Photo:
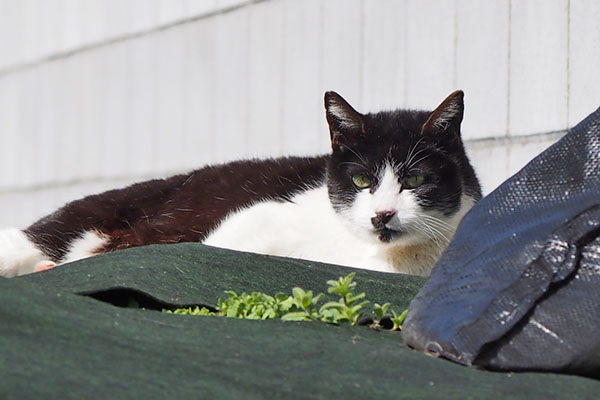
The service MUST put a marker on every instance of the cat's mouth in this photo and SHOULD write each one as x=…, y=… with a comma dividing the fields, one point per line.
x=383, y=230
x=386, y=235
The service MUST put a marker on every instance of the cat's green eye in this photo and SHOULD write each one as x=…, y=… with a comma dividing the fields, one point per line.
x=361, y=181
x=414, y=181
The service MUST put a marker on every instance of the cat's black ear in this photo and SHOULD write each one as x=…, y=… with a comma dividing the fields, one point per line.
x=345, y=123
x=447, y=116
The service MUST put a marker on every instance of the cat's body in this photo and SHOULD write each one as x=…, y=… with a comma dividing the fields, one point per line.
x=360, y=206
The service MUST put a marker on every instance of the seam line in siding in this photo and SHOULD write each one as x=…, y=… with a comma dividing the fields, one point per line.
x=517, y=139
x=22, y=66
x=127, y=180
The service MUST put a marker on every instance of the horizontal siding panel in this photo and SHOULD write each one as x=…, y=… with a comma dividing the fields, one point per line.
x=538, y=69
x=231, y=85
x=430, y=32
x=170, y=10
x=10, y=20
x=25, y=207
x=69, y=137
x=170, y=67
x=490, y=173
x=265, y=83
x=48, y=116
x=14, y=213
x=71, y=30
x=56, y=26
x=341, y=48
x=384, y=55
x=28, y=130
x=482, y=66
x=199, y=94
x=10, y=125
x=92, y=95
x=143, y=15
x=195, y=8
x=584, y=59
x=341, y=52
x=141, y=139
x=117, y=110
x=303, y=113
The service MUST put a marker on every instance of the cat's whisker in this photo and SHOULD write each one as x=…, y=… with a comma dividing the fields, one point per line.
x=426, y=230
x=357, y=154
x=418, y=161
x=352, y=163
x=411, y=151
x=430, y=235
x=434, y=235
x=439, y=222
x=409, y=162
x=439, y=234
x=435, y=230
x=442, y=231
x=450, y=197
x=439, y=231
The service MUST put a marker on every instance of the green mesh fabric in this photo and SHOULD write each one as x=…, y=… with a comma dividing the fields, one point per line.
x=58, y=341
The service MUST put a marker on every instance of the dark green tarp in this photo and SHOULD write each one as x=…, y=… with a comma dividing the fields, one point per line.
x=58, y=341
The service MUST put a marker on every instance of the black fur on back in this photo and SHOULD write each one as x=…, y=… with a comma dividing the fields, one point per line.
x=183, y=208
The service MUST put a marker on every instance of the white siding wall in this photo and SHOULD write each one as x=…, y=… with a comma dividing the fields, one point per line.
x=96, y=94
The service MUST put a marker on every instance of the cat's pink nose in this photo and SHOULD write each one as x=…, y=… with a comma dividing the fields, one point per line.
x=384, y=217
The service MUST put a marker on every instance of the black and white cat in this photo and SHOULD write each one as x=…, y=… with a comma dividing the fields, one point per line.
x=389, y=197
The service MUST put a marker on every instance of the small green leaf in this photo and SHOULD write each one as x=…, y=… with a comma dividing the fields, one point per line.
x=286, y=304
x=380, y=310
x=403, y=316
x=317, y=298
x=231, y=293
x=296, y=316
x=307, y=300
x=358, y=306
x=397, y=320
x=298, y=293
x=281, y=297
x=329, y=315
x=333, y=304
x=233, y=310
x=350, y=299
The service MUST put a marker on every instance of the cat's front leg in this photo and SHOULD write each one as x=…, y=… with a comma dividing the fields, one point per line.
x=18, y=254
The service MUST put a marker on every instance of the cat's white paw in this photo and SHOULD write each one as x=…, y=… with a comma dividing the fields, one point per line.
x=44, y=265
x=18, y=254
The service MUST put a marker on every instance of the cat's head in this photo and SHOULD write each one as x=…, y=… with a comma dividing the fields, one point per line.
x=400, y=176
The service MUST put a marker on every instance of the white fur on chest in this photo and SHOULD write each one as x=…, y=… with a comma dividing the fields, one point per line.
x=305, y=228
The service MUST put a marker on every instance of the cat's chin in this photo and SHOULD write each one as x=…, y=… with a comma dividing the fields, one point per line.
x=393, y=237
x=386, y=235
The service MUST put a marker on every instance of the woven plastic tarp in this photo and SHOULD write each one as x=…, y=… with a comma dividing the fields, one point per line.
x=519, y=286
x=57, y=340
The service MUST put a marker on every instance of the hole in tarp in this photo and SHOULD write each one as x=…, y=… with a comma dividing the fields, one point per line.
x=384, y=323
x=132, y=298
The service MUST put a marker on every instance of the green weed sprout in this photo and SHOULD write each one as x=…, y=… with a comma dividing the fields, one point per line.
x=302, y=305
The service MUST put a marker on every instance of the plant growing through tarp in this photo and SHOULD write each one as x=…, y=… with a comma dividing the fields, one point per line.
x=302, y=305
